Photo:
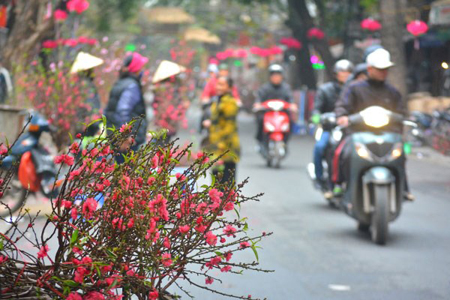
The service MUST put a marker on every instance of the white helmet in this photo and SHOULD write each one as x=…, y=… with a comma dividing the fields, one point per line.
x=276, y=68
x=343, y=65
x=212, y=68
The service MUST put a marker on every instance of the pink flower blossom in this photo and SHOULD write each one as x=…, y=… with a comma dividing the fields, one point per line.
x=74, y=296
x=215, y=195
x=89, y=206
x=94, y=296
x=209, y=280
x=166, y=259
x=200, y=228
x=151, y=180
x=184, y=229
x=74, y=213
x=79, y=274
x=79, y=6
x=211, y=239
x=60, y=15
x=43, y=251
x=153, y=295
x=65, y=159
x=66, y=204
x=86, y=260
x=228, y=256
x=229, y=230
x=125, y=128
x=229, y=206
x=3, y=149
x=166, y=242
x=244, y=245
x=3, y=259
x=225, y=269
x=77, y=250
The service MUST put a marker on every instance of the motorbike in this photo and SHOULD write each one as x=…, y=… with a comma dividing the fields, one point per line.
x=276, y=128
x=36, y=170
x=327, y=123
x=373, y=195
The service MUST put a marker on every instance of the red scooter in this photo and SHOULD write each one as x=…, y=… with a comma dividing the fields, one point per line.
x=276, y=128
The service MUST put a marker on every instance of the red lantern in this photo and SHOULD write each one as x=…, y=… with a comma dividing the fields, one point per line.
x=50, y=44
x=417, y=27
x=229, y=53
x=291, y=43
x=221, y=56
x=83, y=40
x=241, y=53
x=316, y=33
x=255, y=50
x=78, y=6
x=275, y=50
x=60, y=15
x=370, y=25
x=71, y=42
x=92, y=42
x=3, y=16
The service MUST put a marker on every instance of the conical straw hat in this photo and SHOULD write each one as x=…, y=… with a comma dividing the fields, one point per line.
x=85, y=61
x=167, y=69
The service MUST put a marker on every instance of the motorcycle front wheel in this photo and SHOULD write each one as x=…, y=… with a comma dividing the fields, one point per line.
x=380, y=216
x=13, y=198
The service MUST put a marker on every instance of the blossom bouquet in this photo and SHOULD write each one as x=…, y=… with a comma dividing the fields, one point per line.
x=127, y=231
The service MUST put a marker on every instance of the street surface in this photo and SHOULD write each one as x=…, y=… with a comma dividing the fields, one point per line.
x=316, y=251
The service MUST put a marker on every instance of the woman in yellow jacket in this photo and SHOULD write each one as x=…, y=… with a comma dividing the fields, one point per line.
x=223, y=130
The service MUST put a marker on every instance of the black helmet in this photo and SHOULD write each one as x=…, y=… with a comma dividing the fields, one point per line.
x=359, y=69
x=276, y=68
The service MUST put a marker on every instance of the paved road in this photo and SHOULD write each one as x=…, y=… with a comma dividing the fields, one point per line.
x=316, y=251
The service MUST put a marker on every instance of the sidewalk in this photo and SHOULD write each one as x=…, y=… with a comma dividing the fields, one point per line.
x=430, y=155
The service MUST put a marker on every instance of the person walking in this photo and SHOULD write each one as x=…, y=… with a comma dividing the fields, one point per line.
x=222, y=125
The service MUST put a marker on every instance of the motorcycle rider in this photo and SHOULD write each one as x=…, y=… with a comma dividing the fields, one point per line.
x=324, y=102
x=276, y=88
x=360, y=95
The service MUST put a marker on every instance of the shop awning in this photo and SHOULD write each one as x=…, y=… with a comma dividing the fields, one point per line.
x=440, y=13
x=201, y=35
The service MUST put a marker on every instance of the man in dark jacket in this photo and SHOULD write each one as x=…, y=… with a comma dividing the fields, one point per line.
x=363, y=94
x=276, y=88
x=324, y=102
x=126, y=100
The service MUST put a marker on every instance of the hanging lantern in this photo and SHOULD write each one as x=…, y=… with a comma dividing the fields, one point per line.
x=221, y=56
x=275, y=50
x=50, y=44
x=315, y=33
x=291, y=43
x=417, y=27
x=241, y=53
x=3, y=16
x=255, y=50
x=370, y=24
x=79, y=6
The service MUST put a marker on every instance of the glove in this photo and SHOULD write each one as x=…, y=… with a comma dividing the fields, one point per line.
x=315, y=119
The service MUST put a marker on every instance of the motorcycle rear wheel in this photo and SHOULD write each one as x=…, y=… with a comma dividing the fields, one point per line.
x=380, y=215
x=13, y=198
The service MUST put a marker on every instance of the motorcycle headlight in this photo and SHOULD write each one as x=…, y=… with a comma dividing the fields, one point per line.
x=363, y=152
x=337, y=135
x=318, y=134
x=375, y=116
x=269, y=127
x=397, y=151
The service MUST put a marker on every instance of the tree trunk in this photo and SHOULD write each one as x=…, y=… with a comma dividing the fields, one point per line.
x=30, y=27
x=300, y=8
x=392, y=39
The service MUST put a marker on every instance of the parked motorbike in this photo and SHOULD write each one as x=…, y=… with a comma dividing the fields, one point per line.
x=374, y=192
x=276, y=128
x=36, y=170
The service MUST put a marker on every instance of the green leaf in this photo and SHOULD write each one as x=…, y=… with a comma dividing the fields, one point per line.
x=93, y=122
x=74, y=237
x=111, y=254
x=98, y=271
x=71, y=137
x=245, y=229
x=70, y=283
x=218, y=253
x=255, y=252
x=213, y=180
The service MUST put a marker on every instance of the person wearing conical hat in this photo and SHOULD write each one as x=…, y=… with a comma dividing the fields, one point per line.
x=84, y=66
x=169, y=104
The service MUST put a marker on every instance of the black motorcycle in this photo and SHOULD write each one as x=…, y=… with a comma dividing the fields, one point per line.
x=374, y=192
